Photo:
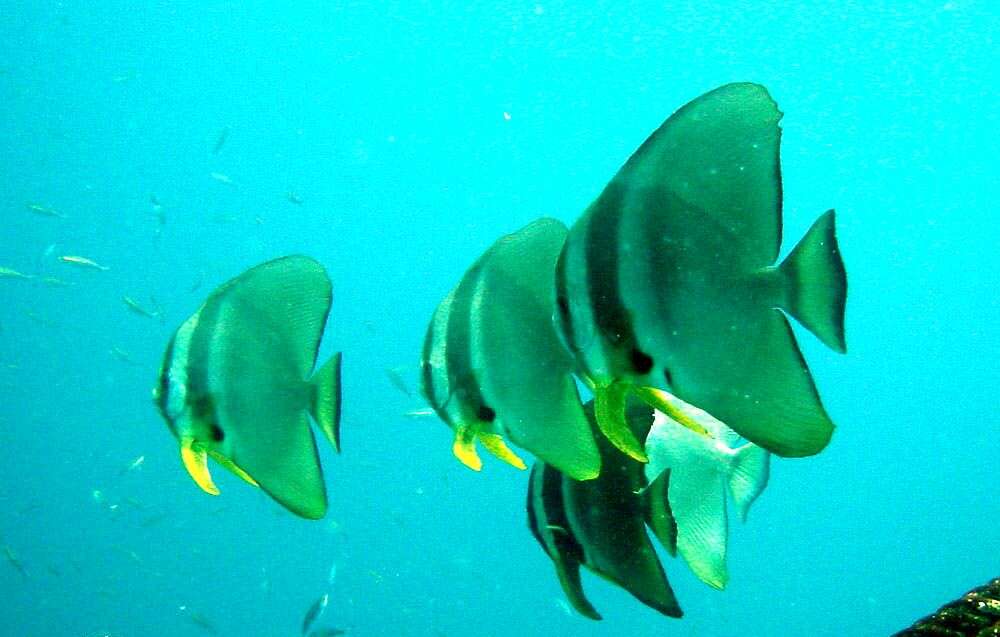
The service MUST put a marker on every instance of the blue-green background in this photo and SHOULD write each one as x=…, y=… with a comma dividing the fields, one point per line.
x=387, y=119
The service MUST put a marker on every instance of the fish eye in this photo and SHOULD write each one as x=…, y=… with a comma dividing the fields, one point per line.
x=642, y=362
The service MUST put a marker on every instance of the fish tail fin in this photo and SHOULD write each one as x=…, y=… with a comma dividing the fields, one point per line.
x=325, y=403
x=750, y=472
x=816, y=283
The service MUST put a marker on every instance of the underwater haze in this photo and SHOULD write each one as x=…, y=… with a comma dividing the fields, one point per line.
x=173, y=145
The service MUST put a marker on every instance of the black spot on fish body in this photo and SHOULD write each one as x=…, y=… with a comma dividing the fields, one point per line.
x=563, y=303
x=667, y=376
x=217, y=434
x=642, y=362
x=202, y=407
x=486, y=413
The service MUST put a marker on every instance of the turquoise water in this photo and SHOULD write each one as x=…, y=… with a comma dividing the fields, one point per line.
x=414, y=135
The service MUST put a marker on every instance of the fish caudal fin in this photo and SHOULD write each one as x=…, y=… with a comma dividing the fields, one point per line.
x=750, y=472
x=816, y=283
x=325, y=404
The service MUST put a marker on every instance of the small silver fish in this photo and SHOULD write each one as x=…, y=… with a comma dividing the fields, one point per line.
x=315, y=612
x=222, y=179
x=199, y=620
x=55, y=282
x=141, y=310
x=45, y=211
x=420, y=413
x=220, y=141
x=83, y=262
x=15, y=561
x=7, y=273
x=135, y=464
x=122, y=355
x=396, y=378
x=294, y=198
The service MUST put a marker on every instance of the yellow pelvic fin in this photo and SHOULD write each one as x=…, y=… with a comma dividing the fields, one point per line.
x=662, y=401
x=196, y=463
x=609, y=410
x=495, y=445
x=464, y=447
x=232, y=466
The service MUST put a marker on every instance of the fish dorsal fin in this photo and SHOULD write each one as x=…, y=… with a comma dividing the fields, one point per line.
x=261, y=332
x=288, y=300
x=719, y=155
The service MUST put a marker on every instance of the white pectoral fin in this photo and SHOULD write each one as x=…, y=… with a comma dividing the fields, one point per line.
x=750, y=472
x=698, y=503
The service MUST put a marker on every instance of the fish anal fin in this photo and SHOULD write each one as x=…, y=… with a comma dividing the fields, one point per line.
x=495, y=445
x=568, y=572
x=233, y=467
x=196, y=463
x=609, y=411
x=661, y=401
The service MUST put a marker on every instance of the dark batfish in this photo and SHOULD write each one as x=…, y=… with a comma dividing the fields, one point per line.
x=235, y=383
x=601, y=524
x=670, y=280
x=975, y=614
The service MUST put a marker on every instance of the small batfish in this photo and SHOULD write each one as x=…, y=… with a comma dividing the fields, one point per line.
x=704, y=461
x=315, y=612
x=235, y=383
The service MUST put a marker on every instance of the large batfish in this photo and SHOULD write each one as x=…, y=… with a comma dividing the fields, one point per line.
x=670, y=280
